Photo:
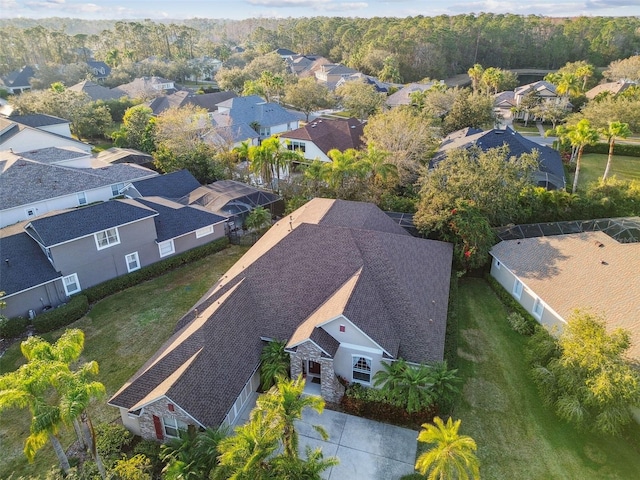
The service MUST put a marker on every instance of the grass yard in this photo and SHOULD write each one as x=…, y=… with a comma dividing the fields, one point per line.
x=518, y=437
x=592, y=168
x=530, y=129
x=121, y=333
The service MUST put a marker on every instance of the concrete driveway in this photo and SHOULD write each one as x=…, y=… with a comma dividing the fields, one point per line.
x=367, y=450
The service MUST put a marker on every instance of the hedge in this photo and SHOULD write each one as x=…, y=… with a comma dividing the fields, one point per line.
x=63, y=315
x=630, y=150
x=115, y=285
x=451, y=334
x=12, y=328
x=510, y=302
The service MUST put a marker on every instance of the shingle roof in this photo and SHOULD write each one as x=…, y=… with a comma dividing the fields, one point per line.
x=580, y=270
x=19, y=78
x=124, y=155
x=53, y=154
x=37, y=120
x=613, y=88
x=400, y=300
x=100, y=69
x=81, y=222
x=174, y=219
x=403, y=96
x=252, y=109
x=328, y=134
x=27, y=266
x=535, y=87
x=97, y=92
x=172, y=185
x=229, y=197
x=47, y=181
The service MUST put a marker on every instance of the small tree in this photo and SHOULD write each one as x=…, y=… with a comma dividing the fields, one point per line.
x=274, y=363
x=258, y=218
x=615, y=130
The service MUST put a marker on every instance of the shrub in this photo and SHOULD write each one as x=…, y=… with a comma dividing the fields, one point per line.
x=519, y=324
x=62, y=315
x=151, y=450
x=451, y=334
x=626, y=149
x=511, y=303
x=12, y=327
x=112, y=439
x=115, y=285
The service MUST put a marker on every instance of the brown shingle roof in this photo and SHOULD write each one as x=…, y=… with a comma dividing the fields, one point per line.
x=567, y=272
x=399, y=300
x=329, y=134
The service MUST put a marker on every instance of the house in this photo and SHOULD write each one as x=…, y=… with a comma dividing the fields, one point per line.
x=47, y=123
x=87, y=246
x=596, y=268
x=525, y=96
x=403, y=96
x=340, y=282
x=314, y=140
x=611, y=88
x=379, y=85
x=265, y=118
x=97, y=92
x=330, y=73
x=301, y=65
x=18, y=137
x=18, y=81
x=550, y=175
x=208, y=101
x=99, y=70
x=173, y=186
x=148, y=87
x=285, y=53
x=125, y=155
x=33, y=187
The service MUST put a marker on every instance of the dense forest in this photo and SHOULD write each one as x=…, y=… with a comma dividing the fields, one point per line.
x=418, y=47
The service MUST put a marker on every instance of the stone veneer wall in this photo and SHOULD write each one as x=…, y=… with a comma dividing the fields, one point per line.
x=160, y=408
x=330, y=388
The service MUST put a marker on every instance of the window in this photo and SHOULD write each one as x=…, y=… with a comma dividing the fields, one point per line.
x=517, y=289
x=173, y=426
x=361, y=369
x=166, y=248
x=71, y=284
x=82, y=198
x=265, y=131
x=296, y=146
x=133, y=262
x=342, y=329
x=116, y=189
x=107, y=238
x=203, y=232
x=538, y=309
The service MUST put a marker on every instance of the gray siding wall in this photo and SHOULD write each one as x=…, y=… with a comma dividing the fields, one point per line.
x=189, y=241
x=18, y=305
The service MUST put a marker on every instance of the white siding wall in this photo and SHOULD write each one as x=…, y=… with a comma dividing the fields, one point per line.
x=312, y=152
x=60, y=129
x=130, y=422
x=285, y=127
x=34, y=139
x=343, y=361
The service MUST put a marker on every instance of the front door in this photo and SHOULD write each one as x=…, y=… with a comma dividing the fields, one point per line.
x=314, y=368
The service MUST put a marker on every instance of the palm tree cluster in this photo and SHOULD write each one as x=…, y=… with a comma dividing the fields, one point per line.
x=416, y=387
x=55, y=394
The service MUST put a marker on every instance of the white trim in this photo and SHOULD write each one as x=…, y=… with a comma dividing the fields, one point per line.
x=177, y=427
x=537, y=302
x=31, y=288
x=192, y=231
x=517, y=289
x=203, y=232
x=166, y=242
x=106, y=233
x=359, y=330
x=364, y=349
x=354, y=362
x=137, y=259
x=76, y=281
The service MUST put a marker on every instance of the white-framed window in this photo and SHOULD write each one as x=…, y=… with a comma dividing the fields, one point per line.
x=517, y=289
x=166, y=248
x=497, y=263
x=265, y=131
x=107, y=238
x=173, y=426
x=82, y=198
x=31, y=212
x=538, y=309
x=361, y=369
x=295, y=145
x=116, y=189
x=203, y=232
x=133, y=262
x=71, y=284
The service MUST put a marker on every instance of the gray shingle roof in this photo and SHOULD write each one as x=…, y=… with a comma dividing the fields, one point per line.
x=400, y=300
x=45, y=181
x=174, y=220
x=27, y=266
x=53, y=154
x=19, y=78
x=97, y=92
x=37, y=120
x=81, y=222
x=172, y=185
x=252, y=109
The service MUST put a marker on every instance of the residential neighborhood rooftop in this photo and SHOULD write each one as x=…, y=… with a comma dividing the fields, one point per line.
x=328, y=134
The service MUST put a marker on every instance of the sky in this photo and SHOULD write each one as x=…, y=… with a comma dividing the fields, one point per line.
x=239, y=9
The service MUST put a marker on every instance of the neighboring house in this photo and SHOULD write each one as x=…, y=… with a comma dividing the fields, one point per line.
x=611, y=88
x=18, y=81
x=97, y=92
x=543, y=92
x=62, y=156
x=300, y=65
x=315, y=139
x=265, y=118
x=172, y=186
x=47, y=123
x=34, y=187
x=310, y=69
x=147, y=87
x=18, y=137
x=550, y=175
x=125, y=155
x=208, y=101
x=87, y=246
x=403, y=96
x=285, y=53
x=550, y=276
x=330, y=73
x=99, y=70
x=206, y=66
x=379, y=85
x=342, y=284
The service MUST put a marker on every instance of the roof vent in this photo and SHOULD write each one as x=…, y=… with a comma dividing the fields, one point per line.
x=599, y=244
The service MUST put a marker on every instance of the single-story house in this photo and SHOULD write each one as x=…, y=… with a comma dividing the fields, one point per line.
x=611, y=88
x=148, y=87
x=550, y=175
x=550, y=276
x=340, y=282
x=403, y=96
x=315, y=139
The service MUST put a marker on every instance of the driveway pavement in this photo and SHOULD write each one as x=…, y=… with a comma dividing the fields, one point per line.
x=367, y=450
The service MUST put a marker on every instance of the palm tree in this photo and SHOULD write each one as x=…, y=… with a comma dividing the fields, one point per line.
x=343, y=168
x=313, y=173
x=453, y=455
x=568, y=85
x=407, y=385
x=285, y=403
x=444, y=383
x=475, y=73
x=287, y=468
x=580, y=135
x=270, y=159
x=274, y=363
x=585, y=72
x=380, y=171
x=614, y=130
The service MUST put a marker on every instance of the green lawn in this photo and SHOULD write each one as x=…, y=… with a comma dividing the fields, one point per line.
x=530, y=129
x=122, y=332
x=592, y=167
x=518, y=437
